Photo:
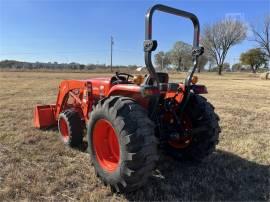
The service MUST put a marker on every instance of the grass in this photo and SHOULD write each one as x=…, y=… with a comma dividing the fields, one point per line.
x=34, y=164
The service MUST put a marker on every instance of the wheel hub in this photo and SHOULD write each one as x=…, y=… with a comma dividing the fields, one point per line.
x=181, y=141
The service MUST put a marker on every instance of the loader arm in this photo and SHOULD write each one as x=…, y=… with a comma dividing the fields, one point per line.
x=82, y=96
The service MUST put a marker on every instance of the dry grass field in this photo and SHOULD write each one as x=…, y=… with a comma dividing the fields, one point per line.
x=35, y=166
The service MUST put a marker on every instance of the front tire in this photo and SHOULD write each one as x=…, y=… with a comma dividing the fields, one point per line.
x=122, y=143
x=70, y=128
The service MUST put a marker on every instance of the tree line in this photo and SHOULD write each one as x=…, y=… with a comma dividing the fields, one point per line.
x=217, y=39
x=13, y=64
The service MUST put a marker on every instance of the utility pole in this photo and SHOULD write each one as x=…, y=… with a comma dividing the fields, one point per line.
x=112, y=42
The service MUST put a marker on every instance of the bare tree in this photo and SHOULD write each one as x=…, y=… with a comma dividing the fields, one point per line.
x=218, y=38
x=262, y=37
x=180, y=55
x=162, y=60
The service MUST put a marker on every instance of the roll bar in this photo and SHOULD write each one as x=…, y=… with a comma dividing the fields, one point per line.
x=150, y=45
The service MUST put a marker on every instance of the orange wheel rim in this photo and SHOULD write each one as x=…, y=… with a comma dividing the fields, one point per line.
x=63, y=127
x=106, y=145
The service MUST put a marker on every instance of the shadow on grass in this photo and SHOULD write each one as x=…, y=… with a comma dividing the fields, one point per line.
x=224, y=176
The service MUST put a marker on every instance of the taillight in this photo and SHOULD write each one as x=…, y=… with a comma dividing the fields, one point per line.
x=194, y=80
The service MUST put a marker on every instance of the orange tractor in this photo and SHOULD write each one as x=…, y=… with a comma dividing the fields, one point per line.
x=129, y=119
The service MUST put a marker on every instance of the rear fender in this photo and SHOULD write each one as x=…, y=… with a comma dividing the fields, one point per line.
x=132, y=91
x=199, y=89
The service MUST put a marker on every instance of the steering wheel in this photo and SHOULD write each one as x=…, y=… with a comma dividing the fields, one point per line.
x=122, y=77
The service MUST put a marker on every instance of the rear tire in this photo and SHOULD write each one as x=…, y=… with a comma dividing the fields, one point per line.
x=201, y=113
x=134, y=131
x=70, y=128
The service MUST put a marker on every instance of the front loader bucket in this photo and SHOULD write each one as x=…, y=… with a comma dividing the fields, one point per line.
x=44, y=116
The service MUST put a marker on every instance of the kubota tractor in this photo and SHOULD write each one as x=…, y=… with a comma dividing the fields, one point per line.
x=130, y=119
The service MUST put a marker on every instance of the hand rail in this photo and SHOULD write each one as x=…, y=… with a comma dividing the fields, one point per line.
x=150, y=45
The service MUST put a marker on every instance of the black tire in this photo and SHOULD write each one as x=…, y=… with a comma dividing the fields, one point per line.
x=202, y=144
x=74, y=127
x=137, y=141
